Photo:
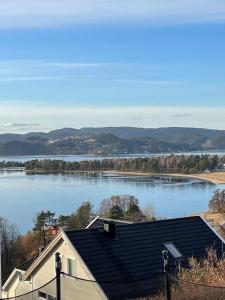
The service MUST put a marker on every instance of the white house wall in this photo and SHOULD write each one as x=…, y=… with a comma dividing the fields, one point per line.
x=46, y=272
x=11, y=288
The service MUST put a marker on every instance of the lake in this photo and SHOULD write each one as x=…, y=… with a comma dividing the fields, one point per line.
x=22, y=196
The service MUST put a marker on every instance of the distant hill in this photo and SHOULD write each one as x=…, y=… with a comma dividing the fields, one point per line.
x=112, y=140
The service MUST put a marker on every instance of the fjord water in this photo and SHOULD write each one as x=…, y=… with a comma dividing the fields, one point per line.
x=22, y=196
x=93, y=157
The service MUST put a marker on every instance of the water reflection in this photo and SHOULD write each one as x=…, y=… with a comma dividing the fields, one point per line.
x=22, y=196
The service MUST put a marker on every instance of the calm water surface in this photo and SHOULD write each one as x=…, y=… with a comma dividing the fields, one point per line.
x=22, y=196
x=92, y=157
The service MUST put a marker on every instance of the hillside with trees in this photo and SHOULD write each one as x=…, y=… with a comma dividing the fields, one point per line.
x=112, y=141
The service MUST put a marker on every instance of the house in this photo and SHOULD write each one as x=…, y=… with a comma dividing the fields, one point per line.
x=221, y=167
x=10, y=285
x=52, y=230
x=117, y=261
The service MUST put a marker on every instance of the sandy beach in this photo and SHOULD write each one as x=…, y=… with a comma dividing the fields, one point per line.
x=214, y=177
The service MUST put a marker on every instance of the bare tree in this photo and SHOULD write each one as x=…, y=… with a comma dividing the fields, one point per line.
x=217, y=201
x=9, y=237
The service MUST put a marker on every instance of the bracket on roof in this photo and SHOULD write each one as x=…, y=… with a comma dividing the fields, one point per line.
x=173, y=250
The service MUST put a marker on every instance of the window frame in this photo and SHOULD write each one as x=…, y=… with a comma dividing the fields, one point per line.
x=68, y=258
x=47, y=296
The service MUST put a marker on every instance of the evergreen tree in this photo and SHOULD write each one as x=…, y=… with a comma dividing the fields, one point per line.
x=134, y=213
x=116, y=213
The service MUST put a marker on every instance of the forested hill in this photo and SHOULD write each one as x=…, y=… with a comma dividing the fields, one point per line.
x=112, y=140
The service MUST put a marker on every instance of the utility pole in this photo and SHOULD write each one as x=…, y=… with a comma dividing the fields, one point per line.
x=0, y=266
x=58, y=267
x=166, y=273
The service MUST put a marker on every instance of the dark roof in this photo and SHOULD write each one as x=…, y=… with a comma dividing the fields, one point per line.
x=98, y=222
x=136, y=253
x=25, y=265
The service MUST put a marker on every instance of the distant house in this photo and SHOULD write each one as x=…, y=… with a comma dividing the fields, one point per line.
x=52, y=230
x=221, y=167
x=123, y=262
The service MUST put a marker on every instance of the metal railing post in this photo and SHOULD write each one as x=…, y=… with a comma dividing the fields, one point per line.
x=166, y=273
x=58, y=267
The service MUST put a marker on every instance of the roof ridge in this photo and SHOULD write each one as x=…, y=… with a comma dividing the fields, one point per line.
x=138, y=224
x=116, y=220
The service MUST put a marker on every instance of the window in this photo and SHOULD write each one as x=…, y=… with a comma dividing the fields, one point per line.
x=43, y=295
x=71, y=267
x=173, y=250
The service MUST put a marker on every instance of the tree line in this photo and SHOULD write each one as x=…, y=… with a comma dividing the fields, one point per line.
x=187, y=164
x=11, y=164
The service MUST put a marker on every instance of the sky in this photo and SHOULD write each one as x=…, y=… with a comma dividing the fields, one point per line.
x=144, y=63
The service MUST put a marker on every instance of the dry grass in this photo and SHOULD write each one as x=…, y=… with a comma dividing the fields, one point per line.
x=215, y=219
x=214, y=177
x=204, y=280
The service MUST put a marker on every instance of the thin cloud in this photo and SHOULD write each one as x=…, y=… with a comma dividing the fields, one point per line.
x=44, y=13
x=75, y=116
x=42, y=70
x=30, y=78
x=138, y=118
x=181, y=115
x=150, y=82
x=72, y=65
x=47, y=70
x=11, y=124
x=10, y=65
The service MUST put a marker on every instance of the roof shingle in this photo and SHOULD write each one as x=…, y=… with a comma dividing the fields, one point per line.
x=136, y=253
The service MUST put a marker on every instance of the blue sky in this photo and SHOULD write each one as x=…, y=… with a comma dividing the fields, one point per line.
x=148, y=63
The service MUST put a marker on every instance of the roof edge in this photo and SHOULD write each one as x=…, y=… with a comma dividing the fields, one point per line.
x=210, y=226
x=11, y=277
x=42, y=256
x=66, y=239
x=139, y=224
x=89, y=225
x=121, y=221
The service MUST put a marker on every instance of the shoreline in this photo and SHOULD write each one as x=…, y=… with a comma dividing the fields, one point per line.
x=13, y=169
x=214, y=177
